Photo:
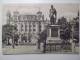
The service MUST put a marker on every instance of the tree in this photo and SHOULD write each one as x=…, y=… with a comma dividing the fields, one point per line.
x=62, y=20
x=7, y=32
x=65, y=30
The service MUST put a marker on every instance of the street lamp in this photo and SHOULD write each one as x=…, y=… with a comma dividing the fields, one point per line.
x=73, y=43
x=13, y=44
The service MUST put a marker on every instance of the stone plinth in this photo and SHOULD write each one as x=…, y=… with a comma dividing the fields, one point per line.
x=53, y=34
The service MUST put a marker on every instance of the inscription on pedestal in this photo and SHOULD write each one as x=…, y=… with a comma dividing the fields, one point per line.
x=54, y=32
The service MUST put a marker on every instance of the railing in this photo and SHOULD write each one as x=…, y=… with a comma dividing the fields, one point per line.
x=54, y=47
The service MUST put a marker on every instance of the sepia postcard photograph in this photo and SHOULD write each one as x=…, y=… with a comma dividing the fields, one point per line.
x=40, y=28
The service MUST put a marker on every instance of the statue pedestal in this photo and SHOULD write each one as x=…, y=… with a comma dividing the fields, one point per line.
x=53, y=34
x=53, y=38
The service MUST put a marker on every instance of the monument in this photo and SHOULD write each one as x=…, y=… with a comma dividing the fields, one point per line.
x=53, y=30
x=53, y=15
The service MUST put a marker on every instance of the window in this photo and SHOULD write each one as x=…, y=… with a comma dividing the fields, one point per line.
x=21, y=27
x=34, y=29
x=25, y=27
x=29, y=29
x=33, y=25
x=39, y=27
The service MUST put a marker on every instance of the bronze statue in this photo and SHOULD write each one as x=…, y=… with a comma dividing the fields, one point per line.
x=53, y=15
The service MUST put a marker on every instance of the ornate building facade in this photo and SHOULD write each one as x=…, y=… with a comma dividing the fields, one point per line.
x=28, y=25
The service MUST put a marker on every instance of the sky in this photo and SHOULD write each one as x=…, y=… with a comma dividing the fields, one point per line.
x=67, y=10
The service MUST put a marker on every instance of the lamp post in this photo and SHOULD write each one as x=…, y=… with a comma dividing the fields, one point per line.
x=13, y=43
x=73, y=43
x=13, y=39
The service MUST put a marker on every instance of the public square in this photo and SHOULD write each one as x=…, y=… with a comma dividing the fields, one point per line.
x=41, y=29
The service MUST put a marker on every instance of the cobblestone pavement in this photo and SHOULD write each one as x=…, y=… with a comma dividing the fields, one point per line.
x=20, y=49
x=24, y=49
